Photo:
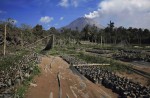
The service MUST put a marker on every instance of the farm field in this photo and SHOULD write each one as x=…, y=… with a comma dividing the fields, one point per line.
x=74, y=49
x=74, y=71
x=123, y=70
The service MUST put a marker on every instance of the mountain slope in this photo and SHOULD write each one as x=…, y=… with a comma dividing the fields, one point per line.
x=81, y=22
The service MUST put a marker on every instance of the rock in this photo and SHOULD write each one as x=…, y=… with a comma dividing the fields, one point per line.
x=82, y=85
x=32, y=84
x=120, y=85
x=2, y=85
x=9, y=82
x=27, y=75
x=31, y=68
x=18, y=81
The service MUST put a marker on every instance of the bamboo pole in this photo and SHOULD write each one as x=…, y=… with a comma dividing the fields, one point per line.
x=5, y=40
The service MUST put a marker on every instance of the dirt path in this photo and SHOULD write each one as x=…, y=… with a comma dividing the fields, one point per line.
x=57, y=80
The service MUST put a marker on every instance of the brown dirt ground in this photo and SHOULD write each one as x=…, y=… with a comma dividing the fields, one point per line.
x=134, y=77
x=143, y=68
x=71, y=84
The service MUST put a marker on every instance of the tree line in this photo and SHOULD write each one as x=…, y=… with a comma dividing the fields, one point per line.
x=114, y=35
x=110, y=34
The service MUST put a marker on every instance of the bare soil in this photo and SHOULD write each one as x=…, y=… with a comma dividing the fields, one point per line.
x=72, y=85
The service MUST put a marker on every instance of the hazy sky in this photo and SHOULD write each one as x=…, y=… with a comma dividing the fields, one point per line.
x=58, y=13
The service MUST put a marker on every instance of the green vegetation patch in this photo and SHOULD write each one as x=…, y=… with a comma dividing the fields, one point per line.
x=11, y=60
x=25, y=85
x=114, y=65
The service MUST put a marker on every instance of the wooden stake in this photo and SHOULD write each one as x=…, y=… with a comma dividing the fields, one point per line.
x=101, y=41
x=5, y=40
x=21, y=40
x=53, y=41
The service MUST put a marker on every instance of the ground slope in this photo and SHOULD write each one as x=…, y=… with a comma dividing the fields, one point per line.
x=72, y=85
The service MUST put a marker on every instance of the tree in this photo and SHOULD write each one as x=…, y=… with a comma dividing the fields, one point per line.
x=86, y=31
x=139, y=35
x=146, y=36
x=52, y=30
x=38, y=31
x=110, y=32
x=26, y=33
x=25, y=27
x=111, y=26
x=93, y=33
